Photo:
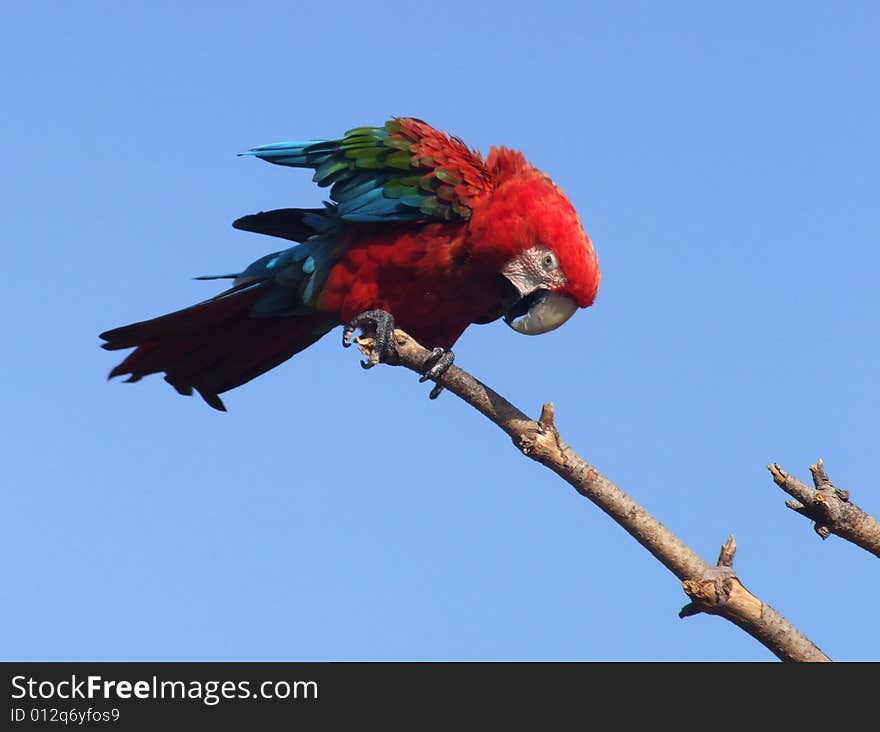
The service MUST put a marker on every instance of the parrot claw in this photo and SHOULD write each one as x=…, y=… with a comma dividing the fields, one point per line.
x=382, y=325
x=436, y=365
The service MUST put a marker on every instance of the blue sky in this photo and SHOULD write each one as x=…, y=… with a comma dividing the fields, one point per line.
x=724, y=160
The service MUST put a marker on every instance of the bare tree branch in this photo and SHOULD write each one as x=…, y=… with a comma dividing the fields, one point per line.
x=715, y=590
x=829, y=508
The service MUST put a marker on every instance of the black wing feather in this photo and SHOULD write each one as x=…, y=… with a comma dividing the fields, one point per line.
x=285, y=223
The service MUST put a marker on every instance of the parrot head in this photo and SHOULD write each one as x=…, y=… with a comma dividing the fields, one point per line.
x=551, y=269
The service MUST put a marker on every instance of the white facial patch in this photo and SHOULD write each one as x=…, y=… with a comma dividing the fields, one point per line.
x=535, y=267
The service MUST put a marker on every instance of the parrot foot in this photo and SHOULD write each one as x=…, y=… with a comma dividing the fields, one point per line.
x=382, y=325
x=436, y=365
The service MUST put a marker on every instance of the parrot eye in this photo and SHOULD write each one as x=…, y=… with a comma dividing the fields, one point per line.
x=549, y=261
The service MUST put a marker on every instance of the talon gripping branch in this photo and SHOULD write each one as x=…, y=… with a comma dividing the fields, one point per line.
x=420, y=232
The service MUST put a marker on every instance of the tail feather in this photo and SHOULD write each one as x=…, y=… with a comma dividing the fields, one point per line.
x=268, y=343
x=216, y=345
x=183, y=322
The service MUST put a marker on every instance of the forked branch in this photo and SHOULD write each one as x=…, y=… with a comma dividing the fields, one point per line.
x=715, y=590
x=829, y=508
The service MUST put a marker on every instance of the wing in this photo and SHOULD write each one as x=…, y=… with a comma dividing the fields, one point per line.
x=287, y=223
x=404, y=171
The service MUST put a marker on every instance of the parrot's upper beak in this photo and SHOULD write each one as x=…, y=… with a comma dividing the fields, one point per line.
x=536, y=312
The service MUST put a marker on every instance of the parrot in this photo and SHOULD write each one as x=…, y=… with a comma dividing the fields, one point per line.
x=421, y=233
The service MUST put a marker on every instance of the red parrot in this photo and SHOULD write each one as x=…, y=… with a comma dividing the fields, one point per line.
x=420, y=233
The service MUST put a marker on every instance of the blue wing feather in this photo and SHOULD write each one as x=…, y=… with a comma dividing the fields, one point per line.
x=390, y=173
x=357, y=192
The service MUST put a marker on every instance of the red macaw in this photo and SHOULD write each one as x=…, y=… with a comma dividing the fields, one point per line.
x=421, y=233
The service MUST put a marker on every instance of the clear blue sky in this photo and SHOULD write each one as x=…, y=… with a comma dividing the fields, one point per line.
x=724, y=160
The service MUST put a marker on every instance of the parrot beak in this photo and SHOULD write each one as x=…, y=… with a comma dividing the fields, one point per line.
x=537, y=312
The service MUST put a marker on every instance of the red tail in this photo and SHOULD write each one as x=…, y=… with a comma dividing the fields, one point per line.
x=214, y=346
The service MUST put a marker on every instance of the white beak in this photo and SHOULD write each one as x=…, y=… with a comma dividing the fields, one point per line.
x=540, y=312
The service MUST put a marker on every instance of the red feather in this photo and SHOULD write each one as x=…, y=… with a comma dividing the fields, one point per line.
x=435, y=278
x=214, y=346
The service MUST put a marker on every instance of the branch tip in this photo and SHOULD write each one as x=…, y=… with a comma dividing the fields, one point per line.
x=820, y=477
x=547, y=418
x=779, y=475
x=796, y=506
x=728, y=550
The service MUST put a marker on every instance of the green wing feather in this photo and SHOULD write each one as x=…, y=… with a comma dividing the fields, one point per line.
x=403, y=171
